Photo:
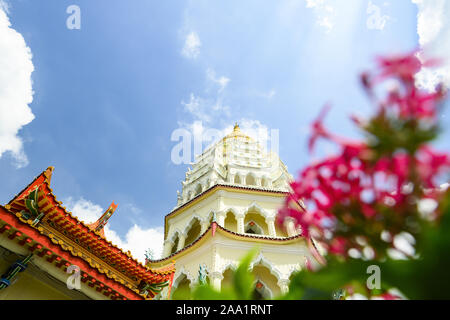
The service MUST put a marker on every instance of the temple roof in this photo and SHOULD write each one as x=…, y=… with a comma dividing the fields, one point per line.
x=101, y=222
x=82, y=240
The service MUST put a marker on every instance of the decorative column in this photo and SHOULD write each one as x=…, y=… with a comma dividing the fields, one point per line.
x=284, y=285
x=167, y=247
x=215, y=276
x=290, y=227
x=220, y=204
x=221, y=219
x=181, y=240
x=215, y=279
x=271, y=225
x=204, y=226
x=240, y=223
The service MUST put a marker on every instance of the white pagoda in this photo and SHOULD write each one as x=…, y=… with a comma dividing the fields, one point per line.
x=227, y=206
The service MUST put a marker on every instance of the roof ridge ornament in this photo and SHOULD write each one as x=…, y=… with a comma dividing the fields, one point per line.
x=98, y=225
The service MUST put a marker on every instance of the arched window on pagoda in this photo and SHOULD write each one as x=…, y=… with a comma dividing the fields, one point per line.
x=182, y=291
x=261, y=292
x=237, y=179
x=193, y=233
x=266, y=284
x=264, y=182
x=230, y=222
x=250, y=180
x=252, y=228
x=255, y=223
x=227, y=280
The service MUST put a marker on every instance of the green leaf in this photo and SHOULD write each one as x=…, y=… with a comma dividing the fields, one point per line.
x=206, y=292
x=242, y=288
x=183, y=293
x=243, y=278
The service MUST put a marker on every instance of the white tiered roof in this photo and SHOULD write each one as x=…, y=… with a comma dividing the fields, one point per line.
x=236, y=160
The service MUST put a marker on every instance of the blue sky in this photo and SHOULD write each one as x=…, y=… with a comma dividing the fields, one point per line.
x=108, y=96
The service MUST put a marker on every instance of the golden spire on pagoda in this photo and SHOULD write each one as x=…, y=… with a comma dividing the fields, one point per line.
x=236, y=127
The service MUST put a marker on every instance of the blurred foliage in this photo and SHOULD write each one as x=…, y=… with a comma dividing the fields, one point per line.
x=370, y=200
x=241, y=289
x=361, y=201
x=424, y=277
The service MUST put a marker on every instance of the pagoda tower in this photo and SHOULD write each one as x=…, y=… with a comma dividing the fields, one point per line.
x=228, y=205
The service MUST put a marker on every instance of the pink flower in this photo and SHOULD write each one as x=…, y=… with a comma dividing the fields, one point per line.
x=368, y=211
x=403, y=66
x=389, y=296
x=318, y=130
x=338, y=246
x=370, y=187
x=430, y=164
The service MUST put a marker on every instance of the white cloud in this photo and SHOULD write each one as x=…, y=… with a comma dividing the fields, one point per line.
x=210, y=108
x=192, y=46
x=83, y=209
x=196, y=107
x=4, y=6
x=137, y=240
x=324, y=12
x=16, y=91
x=270, y=94
x=221, y=81
x=433, y=28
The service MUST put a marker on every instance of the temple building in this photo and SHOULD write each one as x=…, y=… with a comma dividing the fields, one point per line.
x=227, y=206
x=48, y=254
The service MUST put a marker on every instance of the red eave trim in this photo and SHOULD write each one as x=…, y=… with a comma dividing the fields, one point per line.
x=82, y=230
x=36, y=181
x=84, y=266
